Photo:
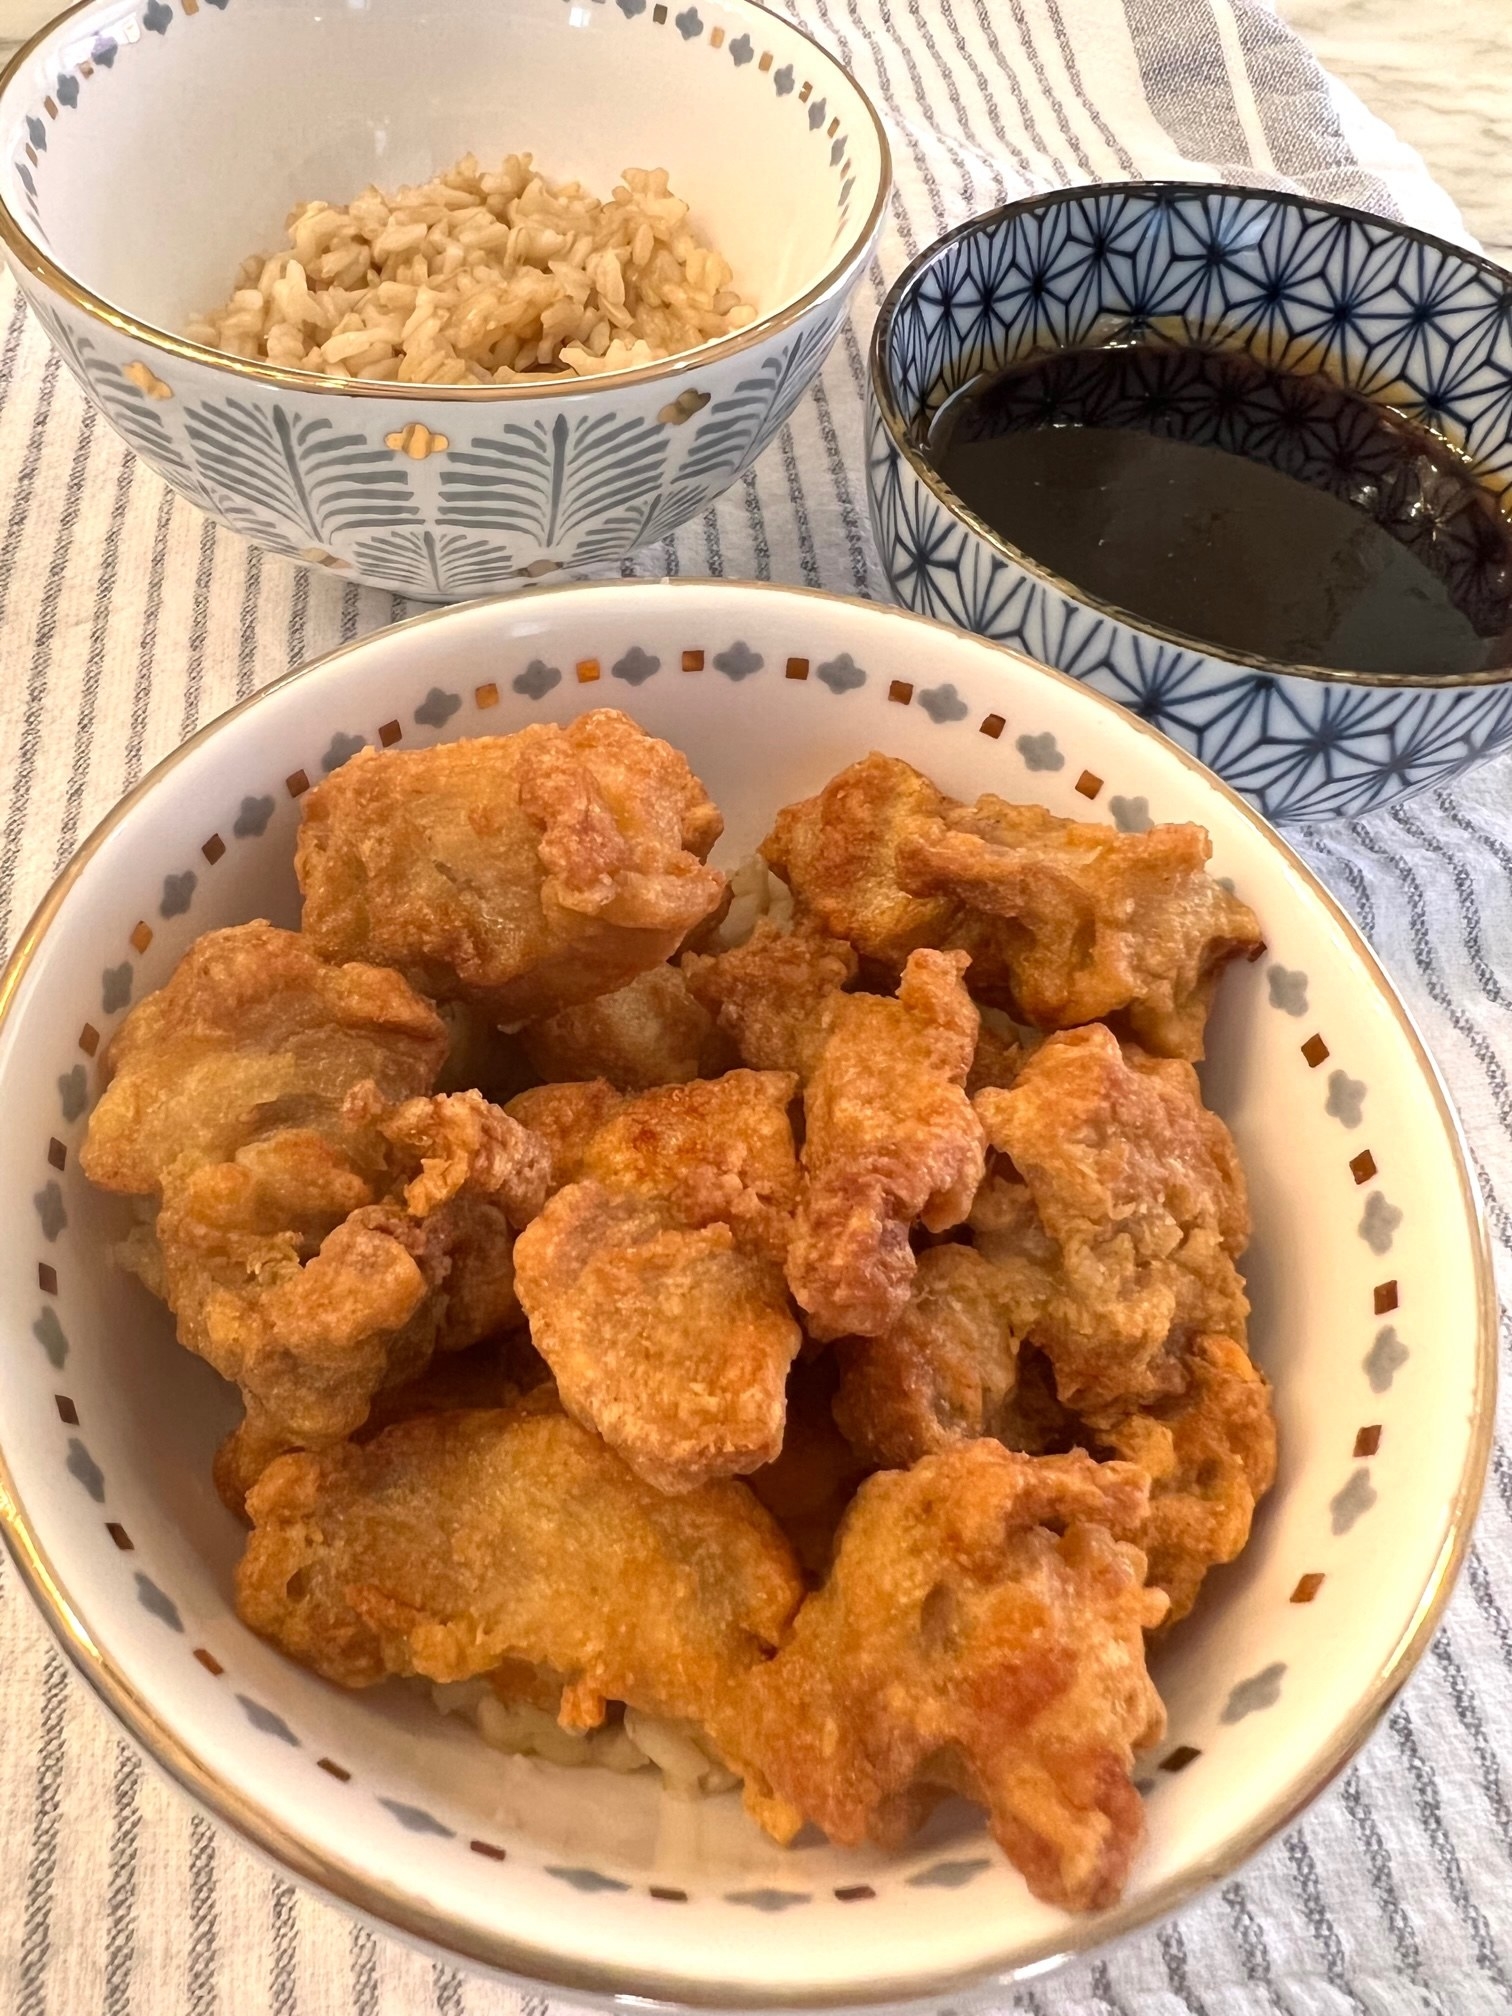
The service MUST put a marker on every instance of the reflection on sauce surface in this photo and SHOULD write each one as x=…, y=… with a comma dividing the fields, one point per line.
x=1244, y=507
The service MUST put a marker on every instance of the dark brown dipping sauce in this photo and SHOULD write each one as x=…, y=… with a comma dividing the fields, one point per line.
x=1243, y=507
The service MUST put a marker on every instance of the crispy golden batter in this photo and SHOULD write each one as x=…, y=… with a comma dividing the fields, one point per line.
x=565, y=1119
x=1118, y=1219
x=811, y=1481
x=837, y=853
x=1065, y=922
x=718, y=1151
x=1211, y=1456
x=942, y=1373
x=253, y=1033
x=311, y=1290
x=767, y=995
x=1069, y=922
x=525, y=872
x=891, y=1141
x=651, y=1032
x=461, y=1142
x=982, y=1632
x=456, y=1542
x=672, y=1341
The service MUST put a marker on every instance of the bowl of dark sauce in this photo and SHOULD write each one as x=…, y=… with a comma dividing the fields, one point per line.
x=1239, y=458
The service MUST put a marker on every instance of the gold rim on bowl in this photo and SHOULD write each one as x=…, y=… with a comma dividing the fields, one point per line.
x=528, y=1967
x=901, y=433
x=836, y=278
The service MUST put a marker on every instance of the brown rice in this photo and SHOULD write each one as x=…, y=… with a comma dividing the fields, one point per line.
x=481, y=277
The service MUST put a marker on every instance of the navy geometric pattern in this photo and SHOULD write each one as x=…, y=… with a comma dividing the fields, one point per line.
x=1296, y=283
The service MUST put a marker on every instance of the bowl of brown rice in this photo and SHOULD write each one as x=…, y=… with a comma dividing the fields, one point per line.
x=440, y=299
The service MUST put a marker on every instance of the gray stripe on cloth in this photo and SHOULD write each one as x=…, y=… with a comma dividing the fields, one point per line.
x=199, y=630
x=1102, y=1988
x=204, y=1918
x=283, y=1905
x=120, y=1902
x=246, y=639
x=24, y=774
x=856, y=543
x=1319, y=1920
x=1254, y=1953
x=1047, y=92
x=884, y=79
x=1185, y=78
x=1105, y=133
x=713, y=551
x=1377, y=1858
x=1032, y=132
x=808, y=553
x=897, y=203
x=1430, y=1812
x=947, y=14
x=756, y=519
x=299, y=618
x=1302, y=125
x=447, y=1983
x=362, y=1947
x=31, y=1998
x=1174, y=1954
x=1467, y=1710
x=94, y=665
x=920, y=19
x=141, y=699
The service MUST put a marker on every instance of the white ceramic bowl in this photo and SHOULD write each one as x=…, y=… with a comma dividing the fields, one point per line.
x=147, y=147
x=1369, y=1273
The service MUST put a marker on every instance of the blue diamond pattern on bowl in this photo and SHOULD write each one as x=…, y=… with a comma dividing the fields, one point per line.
x=1293, y=281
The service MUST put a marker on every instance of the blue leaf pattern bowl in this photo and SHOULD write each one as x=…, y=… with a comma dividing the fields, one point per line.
x=436, y=492
x=1389, y=311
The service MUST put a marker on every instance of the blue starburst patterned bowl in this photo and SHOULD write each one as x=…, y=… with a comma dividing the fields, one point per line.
x=146, y=146
x=1390, y=312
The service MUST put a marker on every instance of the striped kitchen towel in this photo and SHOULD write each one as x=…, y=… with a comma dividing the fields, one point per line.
x=126, y=619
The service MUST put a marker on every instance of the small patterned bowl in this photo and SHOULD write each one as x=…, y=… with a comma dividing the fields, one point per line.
x=1389, y=311
x=1374, y=1316
x=146, y=147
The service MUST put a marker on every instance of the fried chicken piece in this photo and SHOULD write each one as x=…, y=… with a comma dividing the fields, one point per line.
x=767, y=996
x=651, y=1032
x=1118, y=1222
x=456, y=1542
x=251, y=1034
x=837, y=853
x=891, y=1142
x=524, y=872
x=565, y=1119
x=718, y=1151
x=289, y=1274
x=1211, y=1456
x=673, y=1341
x=982, y=1632
x=808, y=1485
x=942, y=1373
x=1068, y=922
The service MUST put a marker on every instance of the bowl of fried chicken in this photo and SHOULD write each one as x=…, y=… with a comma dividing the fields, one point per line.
x=692, y=1254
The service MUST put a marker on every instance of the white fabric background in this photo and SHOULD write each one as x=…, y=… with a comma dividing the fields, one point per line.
x=126, y=619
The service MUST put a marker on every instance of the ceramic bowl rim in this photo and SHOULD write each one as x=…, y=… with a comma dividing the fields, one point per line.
x=836, y=280
x=529, y=1968
x=900, y=433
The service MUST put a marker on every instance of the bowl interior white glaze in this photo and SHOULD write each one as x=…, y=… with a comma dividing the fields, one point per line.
x=1372, y=1316
x=185, y=151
